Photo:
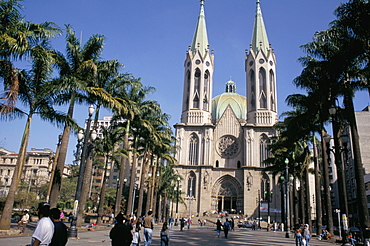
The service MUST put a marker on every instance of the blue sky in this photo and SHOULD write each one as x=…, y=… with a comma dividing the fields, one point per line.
x=150, y=37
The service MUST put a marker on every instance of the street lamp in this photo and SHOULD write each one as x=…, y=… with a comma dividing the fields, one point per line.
x=190, y=198
x=340, y=170
x=86, y=149
x=177, y=196
x=286, y=199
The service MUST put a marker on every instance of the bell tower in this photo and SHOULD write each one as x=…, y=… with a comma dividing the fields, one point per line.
x=260, y=67
x=198, y=76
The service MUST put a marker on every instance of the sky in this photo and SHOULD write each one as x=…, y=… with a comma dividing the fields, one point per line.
x=150, y=37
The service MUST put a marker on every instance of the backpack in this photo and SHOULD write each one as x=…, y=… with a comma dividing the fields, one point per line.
x=227, y=225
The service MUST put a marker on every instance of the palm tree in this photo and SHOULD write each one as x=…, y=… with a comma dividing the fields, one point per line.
x=36, y=94
x=17, y=37
x=106, y=147
x=76, y=69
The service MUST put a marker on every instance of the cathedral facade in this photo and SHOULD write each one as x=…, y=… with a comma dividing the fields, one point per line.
x=222, y=141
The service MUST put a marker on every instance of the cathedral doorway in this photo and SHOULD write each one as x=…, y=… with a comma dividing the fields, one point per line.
x=227, y=193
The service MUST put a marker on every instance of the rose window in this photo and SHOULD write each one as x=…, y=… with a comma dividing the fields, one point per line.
x=227, y=146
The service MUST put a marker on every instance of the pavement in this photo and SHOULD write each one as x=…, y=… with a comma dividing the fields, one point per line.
x=196, y=235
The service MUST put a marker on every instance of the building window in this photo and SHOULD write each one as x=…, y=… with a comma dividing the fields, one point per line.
x=191, y=184
x=193, y=149
x=263, y=149
x=253, y=90
x=262, y=93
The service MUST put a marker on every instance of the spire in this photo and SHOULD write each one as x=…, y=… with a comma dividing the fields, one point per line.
x=200, y=39
x=259, y=38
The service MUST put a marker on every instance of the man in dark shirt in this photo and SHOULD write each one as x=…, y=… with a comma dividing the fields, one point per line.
x=121, y=233
x=60, y=237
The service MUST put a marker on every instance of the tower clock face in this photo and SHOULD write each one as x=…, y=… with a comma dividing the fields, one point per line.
x=227, y=146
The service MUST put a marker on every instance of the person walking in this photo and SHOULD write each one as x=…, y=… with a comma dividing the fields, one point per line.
x=189, y=223
x=60, y=236
x=45, y=228
x=24, y=221
x=148, y=229
x=218, y=227
x=121, y=234
x=136, y=235
x=226, y=227
x=306, y=235
x=182, y=223
x=298, y=237
x=165, y=235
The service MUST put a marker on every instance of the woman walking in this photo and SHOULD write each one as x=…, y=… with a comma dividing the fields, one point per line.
x=165, y=235
x=218, y=227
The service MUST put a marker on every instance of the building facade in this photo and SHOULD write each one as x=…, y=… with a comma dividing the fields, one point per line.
x=223, y=140
x=36, y=172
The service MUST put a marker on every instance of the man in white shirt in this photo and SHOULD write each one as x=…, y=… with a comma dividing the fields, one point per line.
x=45, y=228
x=23, y=222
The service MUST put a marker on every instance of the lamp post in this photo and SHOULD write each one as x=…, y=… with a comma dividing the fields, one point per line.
x=190, y=198
x=286, y=199
x=268, y=195
x=259, y=208
x=341, y=176
x=177, y=196
x=72, y=232
x=133, y=200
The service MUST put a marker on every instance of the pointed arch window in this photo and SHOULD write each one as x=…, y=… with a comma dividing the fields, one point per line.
x=253, y=90
x=272, y=91
x=264, y=153
x=191, y=184
x=262, y=92
x=205, y=91
x=187, y=89
x=193, y=149
x=217, y=163
x=196, y=88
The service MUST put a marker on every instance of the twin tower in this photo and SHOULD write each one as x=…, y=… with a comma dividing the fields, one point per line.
x=222, y=141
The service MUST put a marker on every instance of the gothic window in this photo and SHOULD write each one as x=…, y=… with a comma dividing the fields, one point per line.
x=253, y=90
x=217, y=163
x=227, y=189
x=196, y=88
x=239, y=164
x=193, y=149
x=272, y=91
x=187, y=89
x=262, y=92
x=227, y=146
x=206, y=85
x=191, y=184
x=196, y=101
x=263, y=149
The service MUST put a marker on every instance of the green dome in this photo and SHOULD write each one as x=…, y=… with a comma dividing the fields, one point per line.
x=237, y=102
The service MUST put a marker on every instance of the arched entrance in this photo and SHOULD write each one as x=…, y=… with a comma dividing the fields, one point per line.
x=227, y=195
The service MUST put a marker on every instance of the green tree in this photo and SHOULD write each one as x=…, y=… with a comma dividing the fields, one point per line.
x=17, y=38
x=35, y=93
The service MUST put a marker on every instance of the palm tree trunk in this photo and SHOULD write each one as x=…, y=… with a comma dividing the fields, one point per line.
x=359, y=169
x=102, y=194
x=18, y=170
x=326, y=190
x=85, y=186
x=308, y=198
x=317, y=189
x=142, y=184
x=132, y=181
x=124, y=163
x=57, y=179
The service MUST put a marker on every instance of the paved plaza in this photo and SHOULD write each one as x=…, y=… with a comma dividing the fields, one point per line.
x=204, y=236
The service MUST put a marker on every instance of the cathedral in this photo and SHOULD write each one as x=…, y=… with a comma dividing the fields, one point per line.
x=222, y=141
